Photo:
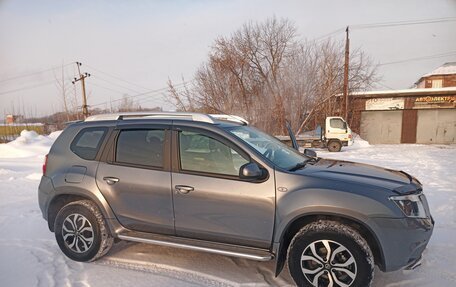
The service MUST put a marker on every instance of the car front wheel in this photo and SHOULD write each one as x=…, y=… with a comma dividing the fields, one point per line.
x=81, y=231
x=334, y=146
x=330, y=254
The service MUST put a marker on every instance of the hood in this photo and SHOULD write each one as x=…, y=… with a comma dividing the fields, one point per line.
x=352, y=172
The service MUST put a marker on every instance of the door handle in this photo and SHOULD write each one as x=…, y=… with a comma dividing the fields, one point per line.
x=183, y=189
x=110, y=180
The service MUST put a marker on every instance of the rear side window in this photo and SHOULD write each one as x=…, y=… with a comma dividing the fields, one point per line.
x=140, y=147
x=88, y=142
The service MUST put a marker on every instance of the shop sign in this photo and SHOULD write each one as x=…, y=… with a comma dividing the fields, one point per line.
x=445, y=99
x=385, y=104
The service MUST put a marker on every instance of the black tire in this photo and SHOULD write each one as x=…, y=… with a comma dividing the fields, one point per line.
x=91, y=238
x=334, y=146
x=335, y=234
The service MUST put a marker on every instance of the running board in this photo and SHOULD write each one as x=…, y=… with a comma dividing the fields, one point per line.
x=198, y=245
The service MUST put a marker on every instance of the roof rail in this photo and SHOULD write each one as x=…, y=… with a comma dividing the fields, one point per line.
x=121, y=116
x=231, y=118
x=199, y=117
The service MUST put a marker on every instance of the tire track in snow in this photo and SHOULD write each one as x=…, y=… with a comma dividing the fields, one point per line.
x=168, y=271
x=56, y=269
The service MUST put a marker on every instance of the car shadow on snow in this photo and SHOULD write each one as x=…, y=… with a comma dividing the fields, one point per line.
x=217, y=270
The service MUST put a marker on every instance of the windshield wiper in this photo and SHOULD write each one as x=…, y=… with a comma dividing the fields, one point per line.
x=302, y=164
x=299, y=165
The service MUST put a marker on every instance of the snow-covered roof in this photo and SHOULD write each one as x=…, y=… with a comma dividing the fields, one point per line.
x=406, y=92
x=446, y=69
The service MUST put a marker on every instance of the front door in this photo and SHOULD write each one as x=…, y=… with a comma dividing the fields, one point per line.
x=336, y=128
x=211, y=202
x=136, y=179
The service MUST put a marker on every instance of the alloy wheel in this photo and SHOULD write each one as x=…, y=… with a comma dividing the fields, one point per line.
x=77, y=232
x=328, y=263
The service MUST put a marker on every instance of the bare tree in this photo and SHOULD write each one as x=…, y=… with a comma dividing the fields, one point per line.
x=128, y=105
x=63, y=88
x=263, y=73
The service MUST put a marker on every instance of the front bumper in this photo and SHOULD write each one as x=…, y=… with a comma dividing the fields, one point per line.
x=402, y=241
x=415, y=264
x=347, y=142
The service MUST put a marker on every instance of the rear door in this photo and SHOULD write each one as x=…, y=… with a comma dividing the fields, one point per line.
x=135, y=178
x=211, y=202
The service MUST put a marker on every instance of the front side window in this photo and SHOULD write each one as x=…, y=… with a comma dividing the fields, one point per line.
x=140, y=147
x=337, y=124
x=201, y=153
x=88, y=142
x=270, y=147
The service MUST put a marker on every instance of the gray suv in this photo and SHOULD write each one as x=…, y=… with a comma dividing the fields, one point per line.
x=213, y=183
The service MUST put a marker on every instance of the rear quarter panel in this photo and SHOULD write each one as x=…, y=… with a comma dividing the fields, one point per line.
x=61, y=160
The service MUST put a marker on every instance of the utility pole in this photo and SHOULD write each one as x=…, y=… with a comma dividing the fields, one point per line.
x=347, y=60
x=85, y=110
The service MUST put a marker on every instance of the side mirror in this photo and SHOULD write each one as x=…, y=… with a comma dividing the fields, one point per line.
x=309, y=152
x=250, y=171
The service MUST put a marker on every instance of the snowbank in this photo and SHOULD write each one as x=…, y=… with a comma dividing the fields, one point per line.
x=28, y=144
x=358, y=143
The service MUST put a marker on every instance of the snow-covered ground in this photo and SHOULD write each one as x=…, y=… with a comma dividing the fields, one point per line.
x=29, y=255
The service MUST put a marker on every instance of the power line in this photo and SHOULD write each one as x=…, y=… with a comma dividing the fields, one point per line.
x=145, y=101
x=387, y=24
x=419, y=58
x=163, y=93
x=115, y=84
x=385, y=86
x=328, y=35
x=117, y=78
x=147, y=96
x=26, y=88
x=116, y=91
x=128, y=97
x=33, y=73
x=403, y=23
x=141, y=94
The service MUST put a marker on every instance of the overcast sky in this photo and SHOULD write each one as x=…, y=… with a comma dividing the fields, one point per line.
x=147, y=42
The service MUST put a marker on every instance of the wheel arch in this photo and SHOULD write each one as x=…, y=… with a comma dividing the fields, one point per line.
x=333, y=140
x=62, y=199
x=300, y=221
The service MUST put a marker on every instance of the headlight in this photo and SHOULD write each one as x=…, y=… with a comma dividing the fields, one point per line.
x=411, y=205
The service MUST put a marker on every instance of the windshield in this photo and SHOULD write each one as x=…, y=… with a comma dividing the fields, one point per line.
x=270, y=147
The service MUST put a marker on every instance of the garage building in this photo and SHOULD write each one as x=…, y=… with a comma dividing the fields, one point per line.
x=423, y=115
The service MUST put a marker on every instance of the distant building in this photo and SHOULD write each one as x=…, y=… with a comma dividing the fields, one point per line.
x=425, y=114
x=405, y=116
x=442, y=77
x=12, y=119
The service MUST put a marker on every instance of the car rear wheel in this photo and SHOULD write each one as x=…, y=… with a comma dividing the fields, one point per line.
x=81, y=231
x=330, y=254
